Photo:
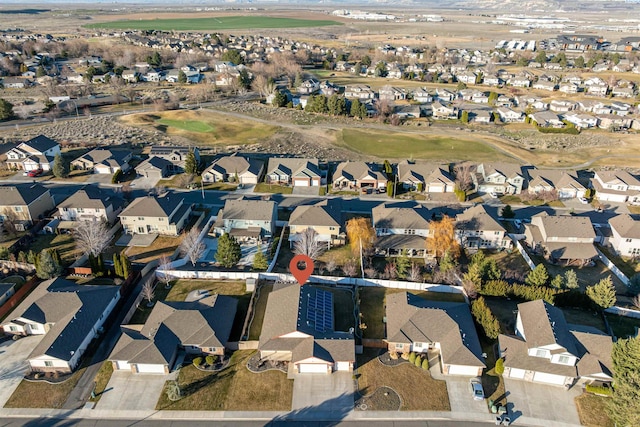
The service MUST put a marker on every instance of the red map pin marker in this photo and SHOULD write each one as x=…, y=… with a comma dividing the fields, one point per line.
x=301, y=275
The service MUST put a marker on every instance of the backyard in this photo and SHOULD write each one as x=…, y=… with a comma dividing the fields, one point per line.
x=417, y=389
x=622, y=326
x=628, y=266
x=235, y=388
x=63, y=243
x=259, y=307
x=162, y=245
x=372, y=307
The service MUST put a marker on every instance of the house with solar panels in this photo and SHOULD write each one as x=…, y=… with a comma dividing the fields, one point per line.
x=300, y=328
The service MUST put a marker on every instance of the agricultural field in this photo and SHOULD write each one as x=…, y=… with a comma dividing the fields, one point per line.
x=214, y=23
x=203, y=127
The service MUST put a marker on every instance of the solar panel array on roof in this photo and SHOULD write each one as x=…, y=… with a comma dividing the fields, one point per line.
x=320, y=311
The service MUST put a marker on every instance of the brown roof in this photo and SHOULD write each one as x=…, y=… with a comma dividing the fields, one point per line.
x=257, y=210
x=424, y=172
x=544, y=324
x=354, y=171
x=626, y=226
x=594, y=348
x=20, y=194
x=413, y=319
x=388, y=216
x=151, y=206
x=90, y=197
x=478, y=218
x=564, y=226
x=516, y=355
x=324, y=213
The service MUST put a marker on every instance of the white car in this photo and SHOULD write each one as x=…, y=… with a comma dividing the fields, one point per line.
x=583, y=200
x=476, y=389
x=493, y=195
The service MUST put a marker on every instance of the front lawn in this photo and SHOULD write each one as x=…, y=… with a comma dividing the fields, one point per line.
x=592, y=410
x=263, y=187
x=235, y=388
x=102, y=379
x=181, y=289
x=43, y=395
x=372, y=306
x=417, y=389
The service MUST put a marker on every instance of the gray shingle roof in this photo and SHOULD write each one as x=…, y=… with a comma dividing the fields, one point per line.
x=154, y=162
x=102, y=155
x=20, y=194
x=41, y=143
x=257, y=210
x=478, y=218
x=324, y=213
x=544, y=324
x=90, y=197
x=626, y=226
x=411, y=318
x=292, y=166
x=388, y=216
x=152, y=206
x=424, y=172
x=353, y=171
x=235, y=164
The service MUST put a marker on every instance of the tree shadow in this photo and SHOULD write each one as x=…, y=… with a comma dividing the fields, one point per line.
x=329, y=413
x=60, y=420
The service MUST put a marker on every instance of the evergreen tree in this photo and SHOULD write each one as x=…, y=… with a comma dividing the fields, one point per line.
x=191, y=163
x=537, y=277
x=228, y=253
x=579, y=62
x=624, y=406
x=557, y=282
x=55, y=255
x=464, y=118
x=260, y=262
x=403, y=262
x=603, y=293
x=499, y=368
x=279, y=99
x=46, y=268
x=507, y=212
x=182, y=77
x=41, y=72
x=60, y=167
x=125, y=265
x=337, y=105
x=357, y=109
x=117, y=266
x=6, y=110
x=571, y=279
x=485, y=318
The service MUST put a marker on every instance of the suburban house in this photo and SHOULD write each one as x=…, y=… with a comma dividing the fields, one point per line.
x=400, y=227
x=199, y=327
x=24, y=203
x=234, y=168
x=545, y=349
x=616, y=186
x=415, y=324
x=562, y=238
x=507, y=115
x=324, y=217
x=299, y=327
x=68, y=315
x=155, y=168
x=90, y=204
x=166, y=214
x=427, y=177
x=308, y=87
x=625, y=235
x=358, y=175
x=565, y=183
x=6, y=291
x=103, y=160
x=176, y=155
x=37, y=153
x=293, y=171
x=247, y=220
x=476, y=228
x=499, y=178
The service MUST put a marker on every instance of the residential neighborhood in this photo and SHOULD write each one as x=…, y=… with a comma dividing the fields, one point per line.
x=256, y=214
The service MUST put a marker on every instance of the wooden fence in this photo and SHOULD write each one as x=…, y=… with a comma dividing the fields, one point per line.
x=18, y=296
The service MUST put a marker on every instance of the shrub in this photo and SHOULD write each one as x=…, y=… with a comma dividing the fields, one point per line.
x=210, y=360
x=599, y=390
x=412, y=357
x=418, y=361
x=425, y=364
x=499, y=368
x=485, y=318
x=393, y=355
x=274, y=247
x=197, y=361
x=405, y=356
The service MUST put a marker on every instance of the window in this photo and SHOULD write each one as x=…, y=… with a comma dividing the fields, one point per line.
x=13, y=328
x=80, y=210
x=497, y=233
x=140, y=218
x=409, y=231
x=18, y=208
x=541, y=353
x=399, y=346
x=48, y=363
x=628, y=240
x=564, y=360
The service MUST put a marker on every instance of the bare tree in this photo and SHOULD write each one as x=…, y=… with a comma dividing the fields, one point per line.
x=350, y=268
x=415, y=275
x=148, y=291
x=164, y=264
x=307, y=244
x=331, y=266
x=192, y=246
x=371, y=273
x=92, y=237
x=9, y=223
x=464, y=175
x=636, y=301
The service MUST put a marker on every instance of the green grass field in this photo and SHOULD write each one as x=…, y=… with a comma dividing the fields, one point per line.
x=213, y=24
x=188, y=125
x=396, y=145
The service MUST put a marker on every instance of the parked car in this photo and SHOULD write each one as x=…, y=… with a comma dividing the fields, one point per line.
x=476, y=389
x=35, y=172
x=583, y=200
x=517, y=223
x=493, y=195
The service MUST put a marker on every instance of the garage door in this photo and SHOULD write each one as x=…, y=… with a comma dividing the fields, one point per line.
x=471, y=371
x=342, y=366
x=312, y=368
x=123, y=365
x=150, y=369
x=248, y=180
x=517, y=373
x=541, y=377
x=435, y=189
x=301, y=183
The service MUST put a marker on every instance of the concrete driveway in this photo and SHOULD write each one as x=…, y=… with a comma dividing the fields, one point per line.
x=128, y=391
x=13, y=364
x=544, y=402
x=320, y=392
x=460, y=397
x=143, y=183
